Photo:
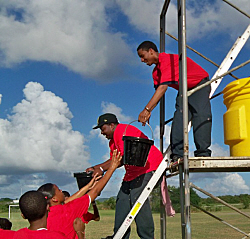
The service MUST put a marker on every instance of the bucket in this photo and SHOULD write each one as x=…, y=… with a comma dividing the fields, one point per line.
x=237, y=118
x=136, y=149
x=83, y=178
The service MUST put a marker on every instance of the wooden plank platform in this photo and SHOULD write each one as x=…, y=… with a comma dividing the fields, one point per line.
x=219, y=164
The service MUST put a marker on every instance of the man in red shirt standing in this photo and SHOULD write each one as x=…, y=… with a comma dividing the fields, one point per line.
x=135, y=179
x=166, y=74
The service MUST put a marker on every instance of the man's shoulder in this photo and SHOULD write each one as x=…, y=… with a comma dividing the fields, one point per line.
x=120, y=128
x=167, y=56
x=126, y=128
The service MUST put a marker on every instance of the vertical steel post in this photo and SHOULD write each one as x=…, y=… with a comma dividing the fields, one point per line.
x=162, y=112
x=182, y=198
x=183, y=93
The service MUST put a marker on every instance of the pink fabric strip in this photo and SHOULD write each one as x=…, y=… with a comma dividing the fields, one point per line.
x=166, y=199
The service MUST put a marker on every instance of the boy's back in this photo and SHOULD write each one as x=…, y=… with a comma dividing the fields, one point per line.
x=39, y=234
x=61, y=217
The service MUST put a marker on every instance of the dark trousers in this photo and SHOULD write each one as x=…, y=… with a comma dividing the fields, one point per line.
x=199, y=113
x=127, y=196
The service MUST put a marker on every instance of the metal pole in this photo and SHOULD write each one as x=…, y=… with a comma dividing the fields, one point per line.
x=201, y=55
x=183, y=90
x=219, y=200
x=190, y=92
x=222, y=221
x=182, y=199
x=162, y=120
x=162, y=112
x=247, y=15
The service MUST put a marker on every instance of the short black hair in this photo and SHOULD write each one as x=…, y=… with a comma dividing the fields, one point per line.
x=146, y=45
x=33, y=205
x=5, y=224
x=66, y=193
x=48, y=190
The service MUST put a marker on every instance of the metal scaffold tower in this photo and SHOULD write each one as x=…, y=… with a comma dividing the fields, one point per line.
x=196, y=164
x=206, y=164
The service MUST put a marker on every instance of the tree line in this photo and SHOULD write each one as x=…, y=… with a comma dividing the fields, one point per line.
x=174, y=192
x=195, y=199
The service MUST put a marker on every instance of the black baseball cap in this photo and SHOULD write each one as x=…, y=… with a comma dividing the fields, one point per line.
x=105, y=119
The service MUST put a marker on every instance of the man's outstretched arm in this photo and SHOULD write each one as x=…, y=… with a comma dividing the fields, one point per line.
x=144, y=116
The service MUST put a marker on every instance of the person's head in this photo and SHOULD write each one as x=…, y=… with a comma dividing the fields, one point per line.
x=33, y=206
x=5, y=224
x=107, y=124
x=66, y=194
x=52, y=193
x=148, y=52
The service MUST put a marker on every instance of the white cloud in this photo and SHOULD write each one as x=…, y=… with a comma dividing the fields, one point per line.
x=38, y=136
x=231, y=183
x=74, y=33
x=18, y=183
x=38, y=144
x=217, y=150
x=109, y=107
x=204, y=18
x=3, y=179
x=86, y=38
x=139, y=12
x=166, y=137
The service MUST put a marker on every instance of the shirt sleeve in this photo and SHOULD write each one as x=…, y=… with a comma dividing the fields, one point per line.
x=87, y=217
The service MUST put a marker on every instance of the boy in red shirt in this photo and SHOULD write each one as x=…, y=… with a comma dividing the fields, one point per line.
x=166, y=74
x=34, y=208
x=88, y=216
x=63, y=212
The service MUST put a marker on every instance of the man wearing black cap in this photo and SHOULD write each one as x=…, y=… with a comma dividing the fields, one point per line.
x=135, y=179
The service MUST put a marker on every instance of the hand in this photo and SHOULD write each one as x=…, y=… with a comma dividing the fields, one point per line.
x=93, y=181
x=144, y=117
x=95, y=170
x=79, y=227
x=90, y=169
x=116, y=159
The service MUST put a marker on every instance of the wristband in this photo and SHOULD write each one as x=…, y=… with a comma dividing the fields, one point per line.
x=147, y=109
x=102, y=169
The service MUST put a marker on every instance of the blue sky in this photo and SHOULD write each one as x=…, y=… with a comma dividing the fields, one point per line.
x=63, y=63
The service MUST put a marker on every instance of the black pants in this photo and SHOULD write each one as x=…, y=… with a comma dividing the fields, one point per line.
x=126, y=198
x=199, y=113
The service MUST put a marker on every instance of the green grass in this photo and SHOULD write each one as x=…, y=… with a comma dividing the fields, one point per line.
x=202, y=225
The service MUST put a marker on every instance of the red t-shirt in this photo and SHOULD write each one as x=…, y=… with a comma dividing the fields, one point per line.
x=30, y=234
x=6, y=234
x=167, y=71
x=61, y=217
x=154, y=156
x=87, y=217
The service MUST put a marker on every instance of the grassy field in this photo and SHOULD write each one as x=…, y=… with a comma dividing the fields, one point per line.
x=202, y=225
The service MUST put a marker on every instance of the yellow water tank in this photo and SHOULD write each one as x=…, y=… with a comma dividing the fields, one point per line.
x=237, y=118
